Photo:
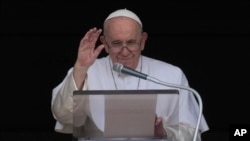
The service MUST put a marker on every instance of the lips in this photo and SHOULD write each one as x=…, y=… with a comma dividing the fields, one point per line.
x=124, y=61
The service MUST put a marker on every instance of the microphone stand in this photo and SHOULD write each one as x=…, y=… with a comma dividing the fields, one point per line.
x=122, y=69
x=185, y=88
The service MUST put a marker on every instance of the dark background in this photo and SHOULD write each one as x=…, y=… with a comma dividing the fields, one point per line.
x=209, y=40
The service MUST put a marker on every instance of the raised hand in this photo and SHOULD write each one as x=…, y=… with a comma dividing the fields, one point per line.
x=87, y=54
x=87, y=51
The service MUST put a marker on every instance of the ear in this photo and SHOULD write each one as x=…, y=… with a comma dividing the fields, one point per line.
x=102, y=39
x=143, y=40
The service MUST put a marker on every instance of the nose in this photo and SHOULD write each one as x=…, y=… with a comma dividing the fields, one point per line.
x=124, y=51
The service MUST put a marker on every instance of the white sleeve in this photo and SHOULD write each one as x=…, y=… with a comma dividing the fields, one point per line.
x=62, y=103
x=181, y=133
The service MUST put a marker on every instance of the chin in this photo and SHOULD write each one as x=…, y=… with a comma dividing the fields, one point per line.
x=128, y=63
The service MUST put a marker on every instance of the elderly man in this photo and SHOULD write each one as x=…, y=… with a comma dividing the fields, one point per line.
x=123, y=39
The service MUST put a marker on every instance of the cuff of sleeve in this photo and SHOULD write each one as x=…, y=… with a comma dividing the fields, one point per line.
x=69, y=88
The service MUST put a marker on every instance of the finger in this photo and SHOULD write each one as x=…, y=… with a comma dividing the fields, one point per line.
x=92, y=35
x=88, y=36
x=95, y=35
x=158, y=121
x=99, y=49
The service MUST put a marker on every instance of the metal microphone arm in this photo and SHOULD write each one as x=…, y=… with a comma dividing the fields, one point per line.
x=122, y=69
x=186, y=88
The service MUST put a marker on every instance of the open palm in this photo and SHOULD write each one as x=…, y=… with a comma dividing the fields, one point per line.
x=87, y=52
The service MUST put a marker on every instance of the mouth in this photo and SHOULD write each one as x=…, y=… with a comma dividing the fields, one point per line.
x=127, y=61
x=124, y=61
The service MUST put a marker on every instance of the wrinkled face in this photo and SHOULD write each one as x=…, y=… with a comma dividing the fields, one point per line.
x=123, y=40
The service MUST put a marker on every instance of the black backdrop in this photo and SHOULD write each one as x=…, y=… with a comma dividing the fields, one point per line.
x=39, y=41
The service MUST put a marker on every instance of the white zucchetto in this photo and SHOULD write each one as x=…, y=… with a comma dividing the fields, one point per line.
x=124, y=13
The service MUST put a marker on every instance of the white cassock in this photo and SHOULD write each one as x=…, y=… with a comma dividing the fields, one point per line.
x=101, y=76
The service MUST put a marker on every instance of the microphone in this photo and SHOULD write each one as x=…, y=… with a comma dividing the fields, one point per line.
x=123, y=69
x=120, y=68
